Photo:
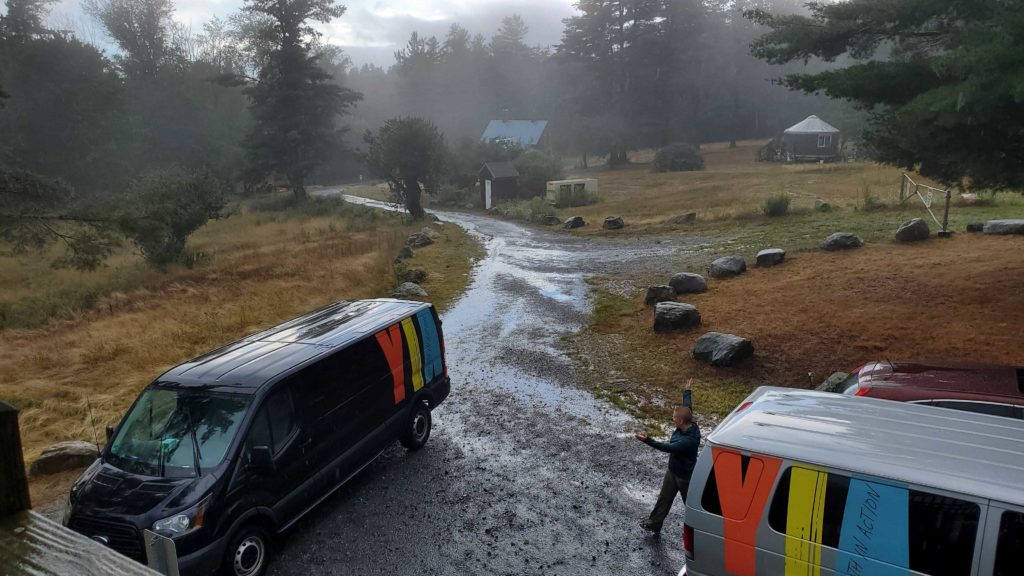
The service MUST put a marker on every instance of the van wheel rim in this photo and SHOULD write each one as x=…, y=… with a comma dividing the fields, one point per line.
x=419, y=426
x=249, y=556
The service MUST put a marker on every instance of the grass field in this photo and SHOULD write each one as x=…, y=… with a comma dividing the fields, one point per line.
x=79, y=369
x=955, y=299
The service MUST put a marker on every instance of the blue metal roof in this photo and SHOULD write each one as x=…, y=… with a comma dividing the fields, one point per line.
x=522, y=132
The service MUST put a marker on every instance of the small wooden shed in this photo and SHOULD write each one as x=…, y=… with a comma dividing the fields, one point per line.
x=498, y=181
x=813, y=139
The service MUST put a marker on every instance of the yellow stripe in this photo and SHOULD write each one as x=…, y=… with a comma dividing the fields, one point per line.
x=415, y=362
x=804, y=521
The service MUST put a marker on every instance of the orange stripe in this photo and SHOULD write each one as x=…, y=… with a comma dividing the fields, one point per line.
x=390, y=341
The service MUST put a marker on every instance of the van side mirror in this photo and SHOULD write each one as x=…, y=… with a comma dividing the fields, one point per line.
x=261, y=460
x=110, y=433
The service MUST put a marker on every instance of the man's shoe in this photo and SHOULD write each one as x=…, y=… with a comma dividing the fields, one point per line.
x=646, y=525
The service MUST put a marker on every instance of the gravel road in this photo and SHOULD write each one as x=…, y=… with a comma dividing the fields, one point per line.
x=525, y=473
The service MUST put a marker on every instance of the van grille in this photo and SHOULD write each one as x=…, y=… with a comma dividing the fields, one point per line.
x=123, y=538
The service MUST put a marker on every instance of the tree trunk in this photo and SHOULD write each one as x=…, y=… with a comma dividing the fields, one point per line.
x=298, y=185
x=585, y=160
x=413, y=194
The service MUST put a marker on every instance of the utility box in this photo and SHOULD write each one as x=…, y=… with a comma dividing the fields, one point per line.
x=567, y=193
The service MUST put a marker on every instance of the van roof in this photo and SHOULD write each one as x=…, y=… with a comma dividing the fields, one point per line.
x=952, y=450
x=255, y=360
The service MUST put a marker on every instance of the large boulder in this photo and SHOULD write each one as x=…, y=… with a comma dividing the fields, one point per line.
x=770, y=257
x=65, y=456
x=687, y=218
x=822, y=206
x=675, y=316
x=874, y=203
x=728, y=266
x=404, y=254
x=614, y=223
x=688, y=283
x=720, y=349
x=976, y=227
x=657, y=294
x=833, y=382
x=430, y=232
x=419, y=240
x=913, y=231
x=414, y=275
x=575, y=222
x=1004, y=227
x=841, y=241
x=409, y=290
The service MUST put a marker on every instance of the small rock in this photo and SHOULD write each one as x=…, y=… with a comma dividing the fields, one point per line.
x=575, y=222
x=405, y=253
x=413, y=275
x=675, y=316
x=1001, y=227
x=832, y=383
x=688, y=283
x=727, y=267
x=687, y=218
x=410, y=290
x=419, y=240
x=822, y=206
x=874, y=203
x=976, y=227
x=430, y=232
x=657, y=294
x=65, y=456
x=841, y=241
x=913, y=231
x=720, y=349
x=614, y=223
x=551, y=221
x=770, y=257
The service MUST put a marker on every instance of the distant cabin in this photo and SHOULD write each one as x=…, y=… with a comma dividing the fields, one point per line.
x=525, y=133
x=499, y=181
x=812, y=140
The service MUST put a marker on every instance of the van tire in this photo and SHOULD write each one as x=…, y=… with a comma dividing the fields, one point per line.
x=417, y=430
x=248, y=553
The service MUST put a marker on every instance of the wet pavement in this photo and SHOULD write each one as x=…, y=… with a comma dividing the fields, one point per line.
x=524, y=473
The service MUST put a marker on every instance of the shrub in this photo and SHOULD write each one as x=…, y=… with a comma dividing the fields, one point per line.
x=777, y=205
x=678, y=158
x=533, y=210
x=449, y=195
x=535, y=170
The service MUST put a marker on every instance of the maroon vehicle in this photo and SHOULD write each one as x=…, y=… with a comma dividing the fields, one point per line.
x=986, y=388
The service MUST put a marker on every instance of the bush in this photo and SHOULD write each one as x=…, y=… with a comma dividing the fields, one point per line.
x=449, y=195
x=777, y=205
x=534, y=210
x=678, y=158
x=535, y=170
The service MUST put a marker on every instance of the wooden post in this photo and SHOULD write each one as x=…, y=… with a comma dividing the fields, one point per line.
x=945, y=216
x=13, y=482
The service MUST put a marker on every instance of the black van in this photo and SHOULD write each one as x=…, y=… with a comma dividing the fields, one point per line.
x=233, y=447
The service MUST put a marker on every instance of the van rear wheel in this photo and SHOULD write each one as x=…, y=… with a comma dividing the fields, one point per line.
x=249, y=552
x=417, y=431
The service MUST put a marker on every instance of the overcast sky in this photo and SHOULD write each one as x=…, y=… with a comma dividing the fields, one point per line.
x=371, y=30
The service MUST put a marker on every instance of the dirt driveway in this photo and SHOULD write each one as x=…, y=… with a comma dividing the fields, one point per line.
x=524, y=473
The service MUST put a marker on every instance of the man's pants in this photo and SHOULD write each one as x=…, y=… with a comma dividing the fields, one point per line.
x=670, y=486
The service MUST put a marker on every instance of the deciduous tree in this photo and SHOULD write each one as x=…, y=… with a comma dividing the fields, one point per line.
x=411, y=155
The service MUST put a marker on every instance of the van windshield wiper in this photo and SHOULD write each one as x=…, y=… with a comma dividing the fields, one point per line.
x=195, y=441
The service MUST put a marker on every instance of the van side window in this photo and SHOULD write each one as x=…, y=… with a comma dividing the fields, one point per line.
x=862, y=518
x=274, y=424
x=1010, y=546
x=709, y=501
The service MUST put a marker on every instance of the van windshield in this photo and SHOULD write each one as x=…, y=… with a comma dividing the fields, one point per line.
x=177, y=433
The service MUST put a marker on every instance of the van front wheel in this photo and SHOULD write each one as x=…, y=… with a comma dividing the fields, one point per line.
x=417, y=431
x=249, y=552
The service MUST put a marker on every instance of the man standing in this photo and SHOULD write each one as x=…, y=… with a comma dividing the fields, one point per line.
x=682, y=449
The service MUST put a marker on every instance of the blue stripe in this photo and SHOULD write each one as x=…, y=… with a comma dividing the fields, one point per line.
x=875, y=536
x=432, y=362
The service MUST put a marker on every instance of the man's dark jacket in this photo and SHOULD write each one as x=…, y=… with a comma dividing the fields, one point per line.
x=682, y=447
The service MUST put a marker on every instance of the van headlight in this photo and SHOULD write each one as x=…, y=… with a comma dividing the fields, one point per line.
x=182, y=522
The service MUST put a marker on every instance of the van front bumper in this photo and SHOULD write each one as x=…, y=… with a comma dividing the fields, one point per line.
x=203, y=562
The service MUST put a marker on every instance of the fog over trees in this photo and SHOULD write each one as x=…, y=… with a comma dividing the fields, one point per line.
x=259, y=100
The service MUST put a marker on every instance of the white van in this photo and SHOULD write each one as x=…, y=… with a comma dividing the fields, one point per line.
x=812, y=483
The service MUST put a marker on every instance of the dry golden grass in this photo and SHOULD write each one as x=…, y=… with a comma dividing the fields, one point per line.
x=732, y=185
x=80, y=372
x=956, y=299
